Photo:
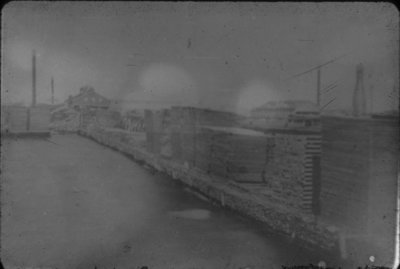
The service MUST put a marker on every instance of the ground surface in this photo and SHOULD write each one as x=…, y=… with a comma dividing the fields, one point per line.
x=71, y=203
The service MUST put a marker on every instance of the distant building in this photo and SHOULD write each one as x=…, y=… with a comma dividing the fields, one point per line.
x=88, y=99
x=286, y=114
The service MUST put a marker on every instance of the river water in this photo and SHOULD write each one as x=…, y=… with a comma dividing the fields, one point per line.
x=68, y=202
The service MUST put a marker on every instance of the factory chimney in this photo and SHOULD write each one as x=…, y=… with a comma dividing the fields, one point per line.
x=33, y=78
x=52, y=90
x=359, y=100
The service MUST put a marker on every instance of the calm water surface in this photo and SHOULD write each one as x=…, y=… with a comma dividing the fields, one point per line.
x=72, y=203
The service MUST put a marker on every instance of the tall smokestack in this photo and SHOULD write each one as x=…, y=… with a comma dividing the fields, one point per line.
x=33, y=78
x=52, y=90
x=359, y=100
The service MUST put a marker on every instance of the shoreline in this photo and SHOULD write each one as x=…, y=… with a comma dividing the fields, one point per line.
x=312, y=234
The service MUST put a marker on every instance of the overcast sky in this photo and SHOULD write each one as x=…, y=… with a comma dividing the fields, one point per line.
x=222, y=55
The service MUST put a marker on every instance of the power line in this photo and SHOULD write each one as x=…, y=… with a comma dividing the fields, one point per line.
x=317, y=67
x=330, y=85
x=328, y=89
x=327, y=104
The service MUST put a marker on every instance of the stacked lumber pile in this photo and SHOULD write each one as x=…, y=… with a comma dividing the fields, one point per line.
x=122, y=139
x=207, y=117
x=173, y=133
x=182, y=130
x=17, y=119
x=284, y=170
x=136, y=139
x=185, y=125
x=70, y=123
x=153, y=122
x=108, y=118
x=87, y=118
x=176, y=145
x=204, y=140
x=188, y=130
x=133, y=121
x=234, y=153
x=4, y=119
x=165, y=133
x=148, y=125
x=39, y=119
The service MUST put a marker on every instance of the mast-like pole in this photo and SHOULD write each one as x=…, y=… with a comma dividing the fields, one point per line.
x=52, y=90
x=33, y=78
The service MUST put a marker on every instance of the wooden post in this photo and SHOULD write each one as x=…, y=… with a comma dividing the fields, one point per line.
x=318, y=86
x=33, y=78
x=52, y=90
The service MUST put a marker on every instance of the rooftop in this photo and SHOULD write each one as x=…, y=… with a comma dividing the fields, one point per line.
x=235, y=130
x=298, y=105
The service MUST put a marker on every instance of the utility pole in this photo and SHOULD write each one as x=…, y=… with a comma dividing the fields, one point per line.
x=319, y=86
x=52, y=90
x=318, y=68
x=359, y=102
x=33, y=78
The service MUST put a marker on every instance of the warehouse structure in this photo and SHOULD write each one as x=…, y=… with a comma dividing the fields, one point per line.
x=88, y=99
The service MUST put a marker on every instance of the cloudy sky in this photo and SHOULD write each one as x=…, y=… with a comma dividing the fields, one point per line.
x=222, y=55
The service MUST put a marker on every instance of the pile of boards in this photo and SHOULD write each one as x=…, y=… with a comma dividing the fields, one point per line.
x=16, y=119
x=39, y=119
x=208, y=140
x=20, y=119
x=234, y=153
x=108, y=118
x=183, y=130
